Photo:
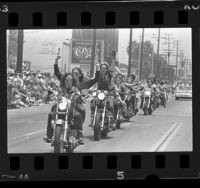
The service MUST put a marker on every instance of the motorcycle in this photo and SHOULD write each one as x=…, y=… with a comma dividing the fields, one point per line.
x=132, y=107
x=65, y=135
x=147, y=102
x=119, y=117
x=163, y=98
x=102, y=119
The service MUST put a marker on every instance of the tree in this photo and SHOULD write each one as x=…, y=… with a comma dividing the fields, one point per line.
x=147, y=57
x=147, y=61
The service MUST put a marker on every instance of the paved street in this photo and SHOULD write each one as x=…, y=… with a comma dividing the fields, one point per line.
x=167, y=129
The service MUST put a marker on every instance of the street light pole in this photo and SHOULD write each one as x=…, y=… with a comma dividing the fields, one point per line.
x=177, y=44
x=141, y=54
x=20, y=50
x=157, y=57
x=152, y=56
x=139, y=58
x=130, y=53
x=93, y=53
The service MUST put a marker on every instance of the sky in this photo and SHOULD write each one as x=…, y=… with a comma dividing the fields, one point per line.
x=181, y=34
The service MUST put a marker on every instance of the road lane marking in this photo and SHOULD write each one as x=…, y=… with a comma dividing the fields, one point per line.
x=187, y=109
x=29, y=134
x=158, y=144
x=166, y=143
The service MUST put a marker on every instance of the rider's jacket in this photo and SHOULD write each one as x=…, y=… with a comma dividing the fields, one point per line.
x=105, y=82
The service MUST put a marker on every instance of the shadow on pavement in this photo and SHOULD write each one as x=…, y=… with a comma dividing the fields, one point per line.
x=91, y=138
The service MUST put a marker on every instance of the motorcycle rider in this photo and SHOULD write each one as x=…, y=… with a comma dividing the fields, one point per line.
x=105, y=82
x=162, y=91
x=149, y=85
x=77, y=82
x=122, y=91
x=132, y=100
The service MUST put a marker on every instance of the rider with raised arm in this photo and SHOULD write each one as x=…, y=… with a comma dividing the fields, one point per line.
x=105, y=82
x=132, y=100
x=77, y=82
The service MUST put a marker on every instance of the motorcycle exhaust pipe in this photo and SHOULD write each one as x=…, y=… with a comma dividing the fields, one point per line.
x=95, y=113
x=103, y=116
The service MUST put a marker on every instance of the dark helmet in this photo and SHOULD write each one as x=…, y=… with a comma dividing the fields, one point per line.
x=133, y=76
x=152, y=77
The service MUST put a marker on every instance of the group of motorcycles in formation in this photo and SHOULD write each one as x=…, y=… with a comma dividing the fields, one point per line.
x=102, y=121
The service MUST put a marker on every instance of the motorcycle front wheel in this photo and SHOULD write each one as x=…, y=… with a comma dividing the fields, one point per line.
x=97, y=129
x=145, y=109
x=58, y=144
x=150, y=110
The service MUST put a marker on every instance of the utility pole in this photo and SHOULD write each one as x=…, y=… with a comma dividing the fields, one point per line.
x=168, y=52
x=93, y=53
x=130, y=53
x=139, y=58
x=157, y=57
x=20, y=50
x=177, y=45
x=182, y=64
x=152, y=56
x=141, y=54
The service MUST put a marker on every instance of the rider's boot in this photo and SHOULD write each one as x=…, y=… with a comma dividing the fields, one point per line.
x=47, y=139
x=135, y=111
x=80, y=137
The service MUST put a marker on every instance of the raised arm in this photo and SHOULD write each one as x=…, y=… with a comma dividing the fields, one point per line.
x=113, y=56
x=56, y=69
x=90, y=83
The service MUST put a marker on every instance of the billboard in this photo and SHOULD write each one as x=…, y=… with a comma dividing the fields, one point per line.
x=82, y=51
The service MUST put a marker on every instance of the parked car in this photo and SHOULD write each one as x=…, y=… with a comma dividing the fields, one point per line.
x=184, y=92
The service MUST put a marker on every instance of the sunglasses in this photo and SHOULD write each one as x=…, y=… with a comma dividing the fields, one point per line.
x=69, y=79
x=76, y=73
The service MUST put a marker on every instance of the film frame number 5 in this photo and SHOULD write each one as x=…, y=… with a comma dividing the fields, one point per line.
x=120, y=175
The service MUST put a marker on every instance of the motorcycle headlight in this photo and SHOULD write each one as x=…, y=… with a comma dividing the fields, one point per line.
x=62, y=106
x=94, y=94
x=101, y=96
x=147, y=93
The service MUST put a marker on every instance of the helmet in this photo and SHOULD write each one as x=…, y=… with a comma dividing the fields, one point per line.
x=133, y=76
x=104, y=63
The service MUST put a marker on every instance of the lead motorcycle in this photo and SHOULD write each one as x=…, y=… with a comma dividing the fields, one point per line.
x=102, y=119
x=147, y=102
x=65, y=135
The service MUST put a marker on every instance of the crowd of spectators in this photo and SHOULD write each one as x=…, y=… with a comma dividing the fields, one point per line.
x=30, y=88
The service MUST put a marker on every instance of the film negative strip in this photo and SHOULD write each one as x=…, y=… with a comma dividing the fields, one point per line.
x=99, y=90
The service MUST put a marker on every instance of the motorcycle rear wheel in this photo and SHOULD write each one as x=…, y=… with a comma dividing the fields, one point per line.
x=58, y=144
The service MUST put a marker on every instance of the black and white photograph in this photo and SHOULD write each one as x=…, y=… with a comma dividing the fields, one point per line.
x=99, y=90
